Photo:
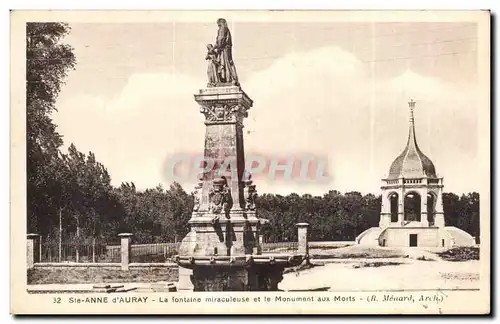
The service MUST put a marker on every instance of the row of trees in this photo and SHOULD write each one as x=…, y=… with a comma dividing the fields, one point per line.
x=334, y=216
x=77, y=196
x=341, y=217
x=70, y=194
x=72, y=190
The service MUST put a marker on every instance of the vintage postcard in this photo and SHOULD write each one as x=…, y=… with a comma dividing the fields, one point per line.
x=250, y=162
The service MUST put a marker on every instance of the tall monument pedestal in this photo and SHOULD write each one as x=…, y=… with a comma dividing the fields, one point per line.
x=223, y=249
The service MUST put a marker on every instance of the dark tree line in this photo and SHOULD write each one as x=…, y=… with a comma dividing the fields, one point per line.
x=333, y=216
x=462, y=212
x=341, y=217
x=70, y=193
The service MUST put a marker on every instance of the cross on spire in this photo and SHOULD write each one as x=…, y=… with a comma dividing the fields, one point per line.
x=411, y=104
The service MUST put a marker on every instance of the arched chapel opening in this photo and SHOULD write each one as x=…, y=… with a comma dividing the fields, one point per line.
x=394, y=199
x=412, y=207
x=431, y=208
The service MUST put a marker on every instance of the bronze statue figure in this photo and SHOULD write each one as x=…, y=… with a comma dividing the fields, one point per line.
x=221, y=69
x=213, y=66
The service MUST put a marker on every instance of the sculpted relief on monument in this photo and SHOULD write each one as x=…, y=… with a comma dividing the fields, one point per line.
x=219, y=197
x=223, y=112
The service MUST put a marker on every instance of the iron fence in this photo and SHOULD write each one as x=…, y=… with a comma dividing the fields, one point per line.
x=153, y=252
x=279, y=247
x=89, y=251
x=97, y=251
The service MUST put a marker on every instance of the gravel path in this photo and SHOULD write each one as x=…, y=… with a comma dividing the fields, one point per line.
x=410, y=274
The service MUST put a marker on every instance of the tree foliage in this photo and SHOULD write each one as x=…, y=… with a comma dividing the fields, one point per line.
x=462, y=212
x=72, y=190
x=47, y=64
x=333, y=216
x=341, y=217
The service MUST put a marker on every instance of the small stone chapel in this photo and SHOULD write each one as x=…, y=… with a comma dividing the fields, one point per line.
x=412, y=207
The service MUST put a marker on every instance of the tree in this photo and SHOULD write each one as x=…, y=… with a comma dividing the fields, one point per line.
x=47, y=64
x=180, y=208
x=451, y=206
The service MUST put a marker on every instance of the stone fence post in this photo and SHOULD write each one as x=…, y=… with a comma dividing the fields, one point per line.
x=261, y=242
x=31, y=250
x=126, y=248
x=303, y=244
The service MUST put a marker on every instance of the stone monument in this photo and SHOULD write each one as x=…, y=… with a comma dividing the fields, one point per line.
x=412, y=207
x=223, y=249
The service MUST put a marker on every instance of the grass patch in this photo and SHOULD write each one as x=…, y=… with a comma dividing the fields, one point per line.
x=356, y=252
x=467, y=276
x=423, y=258
x=375, y=264
x=100, y=275
x=279, y=250
x=463, y=253
x=302, y=267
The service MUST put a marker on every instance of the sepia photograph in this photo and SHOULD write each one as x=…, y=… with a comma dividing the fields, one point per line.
x=208, y=162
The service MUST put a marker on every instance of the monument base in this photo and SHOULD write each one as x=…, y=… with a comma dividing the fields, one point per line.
x=241, y=273
x=235, y=236
x=253, y=278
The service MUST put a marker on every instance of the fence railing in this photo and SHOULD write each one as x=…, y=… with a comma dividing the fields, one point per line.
x=148, y=252
x=84, y=253
x=125, y=253
x=279, y=247
x=101, y=252
x=104, y=253
x=139, y=253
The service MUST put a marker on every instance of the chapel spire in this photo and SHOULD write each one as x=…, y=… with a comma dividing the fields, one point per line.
x=412, y=139
x=412, y=163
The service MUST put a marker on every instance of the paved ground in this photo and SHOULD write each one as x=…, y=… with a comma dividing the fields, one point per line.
x=128, y=286
x=409, y=274
x=364, y=274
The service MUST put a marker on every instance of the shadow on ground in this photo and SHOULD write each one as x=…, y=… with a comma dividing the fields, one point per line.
x=313, y=289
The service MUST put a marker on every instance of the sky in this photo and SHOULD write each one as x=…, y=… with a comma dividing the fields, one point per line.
x=333, y=89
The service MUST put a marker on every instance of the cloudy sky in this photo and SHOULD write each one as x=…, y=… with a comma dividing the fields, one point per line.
x=337, y=90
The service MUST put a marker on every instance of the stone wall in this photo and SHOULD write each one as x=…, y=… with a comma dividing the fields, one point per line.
x=81, y=274
x=400, y=237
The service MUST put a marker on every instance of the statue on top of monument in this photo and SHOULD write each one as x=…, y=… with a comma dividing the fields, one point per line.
x=221, y=69
x=213, y=66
